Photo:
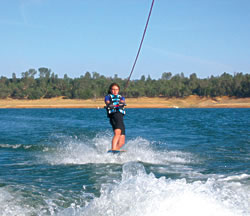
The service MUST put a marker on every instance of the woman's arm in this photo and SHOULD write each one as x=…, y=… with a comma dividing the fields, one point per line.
x=107, y=100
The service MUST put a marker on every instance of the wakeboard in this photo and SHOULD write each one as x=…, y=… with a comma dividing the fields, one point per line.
x=116, y=151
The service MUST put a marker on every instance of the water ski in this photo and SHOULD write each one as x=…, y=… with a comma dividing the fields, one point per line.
x=115, y=151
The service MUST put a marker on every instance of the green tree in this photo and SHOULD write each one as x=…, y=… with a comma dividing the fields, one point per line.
x=166, y=76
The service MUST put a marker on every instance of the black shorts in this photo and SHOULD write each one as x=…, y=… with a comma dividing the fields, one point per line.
x=116, y=120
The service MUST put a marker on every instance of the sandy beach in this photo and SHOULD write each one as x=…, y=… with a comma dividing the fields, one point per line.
x=144, y=102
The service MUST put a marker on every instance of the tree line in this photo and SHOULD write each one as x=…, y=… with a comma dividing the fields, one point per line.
x=43, y=83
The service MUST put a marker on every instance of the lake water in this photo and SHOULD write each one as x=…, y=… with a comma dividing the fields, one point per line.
x=178, y=162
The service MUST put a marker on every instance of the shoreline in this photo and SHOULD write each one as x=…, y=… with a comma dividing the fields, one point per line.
x=142, y=102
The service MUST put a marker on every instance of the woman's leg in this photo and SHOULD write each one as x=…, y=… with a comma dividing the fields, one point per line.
x=119, y=133
x=121, y=141
x=116, y=139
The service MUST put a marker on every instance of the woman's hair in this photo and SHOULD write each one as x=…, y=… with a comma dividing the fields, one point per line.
x=111, y=86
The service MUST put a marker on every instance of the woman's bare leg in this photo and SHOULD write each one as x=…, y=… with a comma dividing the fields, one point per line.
x=121, y=141
x=116, y=138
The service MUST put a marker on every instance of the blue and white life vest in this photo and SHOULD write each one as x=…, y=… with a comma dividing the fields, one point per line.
x=115, y=101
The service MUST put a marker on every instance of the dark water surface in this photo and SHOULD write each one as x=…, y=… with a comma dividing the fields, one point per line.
x=178, y=162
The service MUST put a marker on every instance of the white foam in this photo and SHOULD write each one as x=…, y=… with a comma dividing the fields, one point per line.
x=11, y=205
x=77, y=151
x=236, y=177
x=143, y=194
x=18, y=203
x=140, y=194
x=15, y=146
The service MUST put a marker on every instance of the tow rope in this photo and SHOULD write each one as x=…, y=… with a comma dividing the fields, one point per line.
x=139, y=50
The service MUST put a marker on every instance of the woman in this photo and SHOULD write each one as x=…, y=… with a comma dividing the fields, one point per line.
x=115, y=107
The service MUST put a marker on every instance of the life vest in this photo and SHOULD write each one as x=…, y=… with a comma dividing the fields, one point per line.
x=115, y=101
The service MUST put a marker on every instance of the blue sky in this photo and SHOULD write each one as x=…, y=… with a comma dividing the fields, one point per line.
x=206, y=37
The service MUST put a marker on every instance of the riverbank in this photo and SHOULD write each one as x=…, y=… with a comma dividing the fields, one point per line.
x=143, y=102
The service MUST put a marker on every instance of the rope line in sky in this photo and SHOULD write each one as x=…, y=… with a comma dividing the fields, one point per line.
x=138, y=52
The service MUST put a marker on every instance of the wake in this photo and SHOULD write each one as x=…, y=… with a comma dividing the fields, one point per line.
x=75, y=150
